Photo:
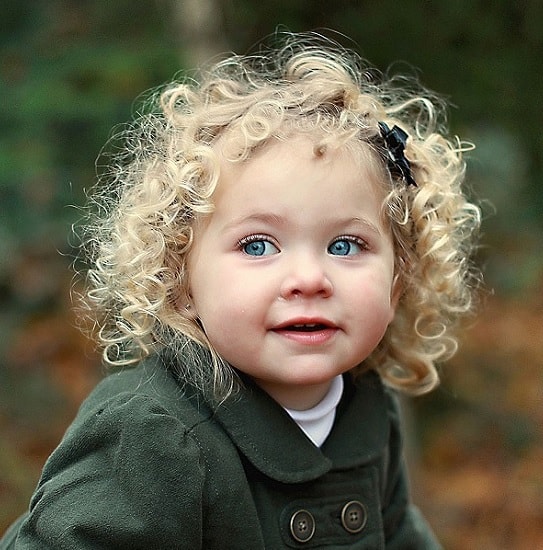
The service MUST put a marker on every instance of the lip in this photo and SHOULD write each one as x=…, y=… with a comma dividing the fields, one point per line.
x=317, y=331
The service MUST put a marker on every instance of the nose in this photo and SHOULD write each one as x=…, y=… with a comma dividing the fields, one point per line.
x=305, y=277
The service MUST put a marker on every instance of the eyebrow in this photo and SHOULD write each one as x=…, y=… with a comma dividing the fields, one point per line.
x=261, y=217
x=277, y=220
x=366, y=223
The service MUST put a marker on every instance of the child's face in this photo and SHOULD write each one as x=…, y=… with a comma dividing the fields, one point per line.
x=292, y=275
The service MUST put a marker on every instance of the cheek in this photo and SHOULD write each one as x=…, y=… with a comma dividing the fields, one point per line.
x=231, y=328
x=375, y=320
x=374, y=300
x=220, y=298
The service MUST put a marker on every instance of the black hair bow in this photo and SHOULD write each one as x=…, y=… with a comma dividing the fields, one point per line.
x=394, y=145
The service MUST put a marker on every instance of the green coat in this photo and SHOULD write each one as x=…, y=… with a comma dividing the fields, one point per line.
x=148, y=463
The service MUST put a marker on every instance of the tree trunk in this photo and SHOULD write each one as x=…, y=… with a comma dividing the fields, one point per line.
x=200, y=28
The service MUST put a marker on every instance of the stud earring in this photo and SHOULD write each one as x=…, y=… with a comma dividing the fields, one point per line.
x=189, y=311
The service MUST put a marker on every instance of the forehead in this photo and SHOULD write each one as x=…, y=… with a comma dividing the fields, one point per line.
x=304, y=180
x=298, y=153
x=232, y=148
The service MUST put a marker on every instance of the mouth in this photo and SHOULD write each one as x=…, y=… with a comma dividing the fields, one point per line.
x=307, y=332
x=306, y=327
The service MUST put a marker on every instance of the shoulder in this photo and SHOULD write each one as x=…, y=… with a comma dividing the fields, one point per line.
x=381, y=407
x=380, y=401
x=129, y=453
x=139, y=420
x=150, y=389
x=375, y=404
x=136, y=415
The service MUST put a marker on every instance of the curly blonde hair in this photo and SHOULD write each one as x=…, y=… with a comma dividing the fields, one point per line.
x=164, y=178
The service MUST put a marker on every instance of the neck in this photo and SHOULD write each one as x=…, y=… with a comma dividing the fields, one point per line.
x=295, y=397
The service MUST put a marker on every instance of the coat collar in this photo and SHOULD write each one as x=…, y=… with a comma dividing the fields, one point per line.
x=266, y=435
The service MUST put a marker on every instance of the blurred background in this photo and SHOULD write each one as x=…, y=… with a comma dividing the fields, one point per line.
x=70, y=71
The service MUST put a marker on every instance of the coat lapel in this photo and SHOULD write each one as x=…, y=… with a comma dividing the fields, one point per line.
x=266, y=435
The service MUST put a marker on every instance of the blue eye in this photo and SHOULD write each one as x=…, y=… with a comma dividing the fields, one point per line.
x=346, y=246
x=257, y=247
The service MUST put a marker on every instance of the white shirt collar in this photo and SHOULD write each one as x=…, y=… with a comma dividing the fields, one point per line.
x=317, y=421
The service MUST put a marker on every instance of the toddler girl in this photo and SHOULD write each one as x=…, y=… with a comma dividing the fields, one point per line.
x=278, y=249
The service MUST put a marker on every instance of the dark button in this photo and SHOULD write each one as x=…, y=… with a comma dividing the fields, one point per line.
x=353, y=516
x=302, y=526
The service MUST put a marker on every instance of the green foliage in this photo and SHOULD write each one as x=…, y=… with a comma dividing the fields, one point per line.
x=69, y=72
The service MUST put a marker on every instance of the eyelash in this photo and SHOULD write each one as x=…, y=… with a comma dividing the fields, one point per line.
x=254, y=238
x=257, y=237
x=352, y=239
x=356, y=246
x=261, y=237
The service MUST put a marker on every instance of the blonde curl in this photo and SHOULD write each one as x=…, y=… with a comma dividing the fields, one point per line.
x=162, y=181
